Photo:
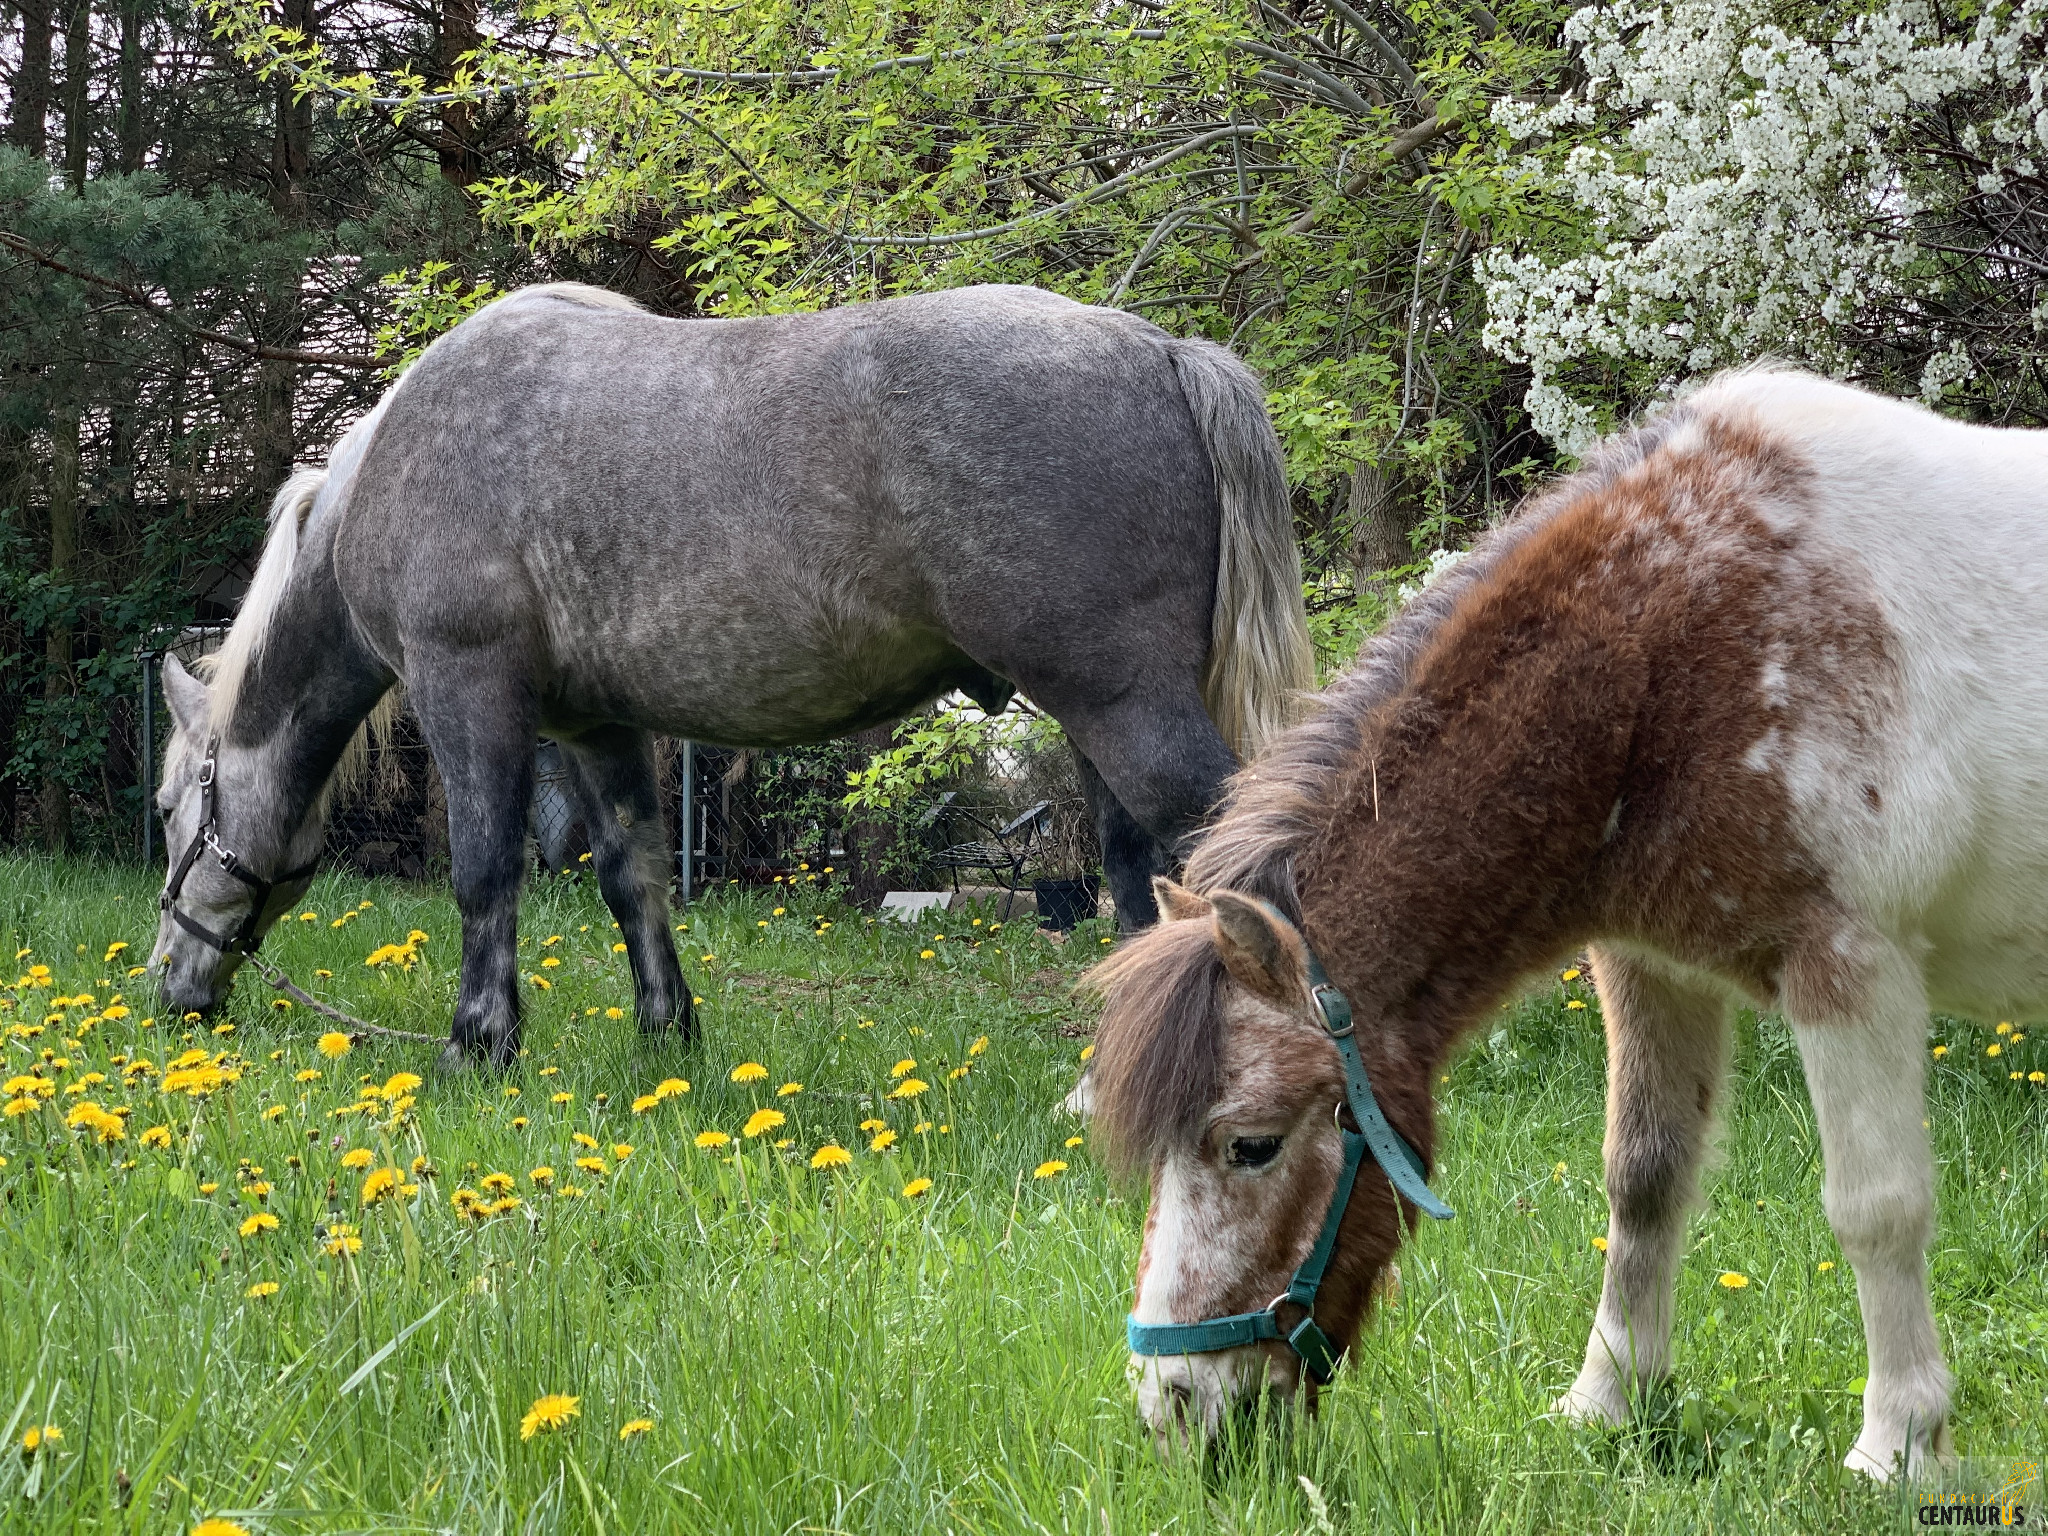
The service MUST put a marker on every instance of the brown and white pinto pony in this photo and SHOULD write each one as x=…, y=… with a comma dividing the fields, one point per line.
x=1756, y=705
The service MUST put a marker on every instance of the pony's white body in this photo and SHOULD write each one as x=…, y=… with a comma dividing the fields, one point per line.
x=1950, y=524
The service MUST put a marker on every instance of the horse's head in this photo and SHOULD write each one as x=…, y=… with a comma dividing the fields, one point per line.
x=226, y=881
x=1213, y=1068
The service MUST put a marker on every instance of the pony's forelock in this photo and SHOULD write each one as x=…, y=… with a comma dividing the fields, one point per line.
x=1159, y=1047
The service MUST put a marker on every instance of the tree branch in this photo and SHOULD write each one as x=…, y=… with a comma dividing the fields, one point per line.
x=135, y=298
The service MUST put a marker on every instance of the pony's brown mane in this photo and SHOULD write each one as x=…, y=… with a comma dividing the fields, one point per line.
x=1158, y=1047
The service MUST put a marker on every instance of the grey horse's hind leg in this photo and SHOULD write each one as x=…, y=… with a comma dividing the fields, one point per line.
x=479, y=721
x=614, y=773
x=1131, y=856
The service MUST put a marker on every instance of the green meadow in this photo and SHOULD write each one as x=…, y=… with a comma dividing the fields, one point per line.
x=674, y=1325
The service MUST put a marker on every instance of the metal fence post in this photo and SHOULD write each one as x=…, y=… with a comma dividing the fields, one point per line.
x=686, y=822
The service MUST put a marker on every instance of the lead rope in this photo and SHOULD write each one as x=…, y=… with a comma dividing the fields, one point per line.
x=280, y=982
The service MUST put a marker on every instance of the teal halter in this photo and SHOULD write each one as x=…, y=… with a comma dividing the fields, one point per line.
x=1403, y=1167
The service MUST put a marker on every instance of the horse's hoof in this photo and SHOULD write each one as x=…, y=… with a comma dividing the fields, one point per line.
x=1596, y=1405
x=1878, y=1456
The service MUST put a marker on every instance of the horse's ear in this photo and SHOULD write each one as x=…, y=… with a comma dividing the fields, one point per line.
x=187, y=696
x=1176, y=902
x=1267, y=956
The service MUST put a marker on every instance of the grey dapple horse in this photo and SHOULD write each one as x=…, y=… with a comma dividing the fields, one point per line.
x=574, y=518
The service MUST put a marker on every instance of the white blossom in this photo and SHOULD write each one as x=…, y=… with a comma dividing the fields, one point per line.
x=1750, y=207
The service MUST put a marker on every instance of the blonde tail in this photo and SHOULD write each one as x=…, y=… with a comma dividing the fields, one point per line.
x=1261, y=665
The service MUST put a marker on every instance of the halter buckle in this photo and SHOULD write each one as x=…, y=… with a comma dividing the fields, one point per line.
x=1332, y=1005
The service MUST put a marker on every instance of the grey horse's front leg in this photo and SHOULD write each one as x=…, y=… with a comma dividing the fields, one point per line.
x=479, y=721
x=613, y=770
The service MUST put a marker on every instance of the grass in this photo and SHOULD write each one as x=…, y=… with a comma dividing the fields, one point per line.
x=816, y=1351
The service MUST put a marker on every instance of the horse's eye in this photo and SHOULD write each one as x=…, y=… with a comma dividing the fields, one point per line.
x=1253, y=1151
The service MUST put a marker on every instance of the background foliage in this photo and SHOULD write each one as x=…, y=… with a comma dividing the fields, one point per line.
x=1455, y=238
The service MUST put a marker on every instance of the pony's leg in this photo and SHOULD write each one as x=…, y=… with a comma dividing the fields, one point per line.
x=614, y=773
x=479, y=717
x=1867, y=1078
x=1667, y=1052
x=1130, y=855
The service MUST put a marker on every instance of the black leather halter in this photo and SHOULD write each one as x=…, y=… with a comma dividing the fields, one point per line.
x=206, y=840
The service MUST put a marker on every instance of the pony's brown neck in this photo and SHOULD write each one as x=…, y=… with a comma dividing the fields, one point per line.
x=1461, y=847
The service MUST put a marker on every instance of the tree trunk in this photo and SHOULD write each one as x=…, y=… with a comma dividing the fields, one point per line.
x=28, y=121
x=56, y=795
x=461, y=163
x=1380, y=516
x=291, y=158
x=134, y=134
x=77, y=93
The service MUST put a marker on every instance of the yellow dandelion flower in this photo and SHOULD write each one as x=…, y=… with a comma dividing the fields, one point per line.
x=635, y=1427
x=40, y=1438
x=1993, y=1049
x=551, y=962
x=787, y=1089
x=157, y=1137
x=542, y=1176
x=924, y=954
x=669, y=1087
x=749, y=1072
x=564, y=1097
x=711, y=1139
x=379, y=1184
x=1940, y=1051
x=1600, y=1244
x=831, y=1155
x=883, y=1141
x=920, y=1128
x=980, y=1045
x=1575, y=1004
x=762, y=1121
x=618, y=949
x=308, y=1074
x=592, y=1165
x=958, y=1072
x=916, y=1187
x=1074, y=1141
x=549, y=1412
x=359, y=1157
x=342, y=1241
x=542, y=982
x=909, y=1088
x=621, y=1150
x=260, y=1223
x=113, y=949
x=496, y=1183
x=1571, y=975
x=261, y=1289
x=334, y=1043
x=644, y=1103
x=1732, y=1280
x=615, y=1013
x=275, y=1112
x=1824, y=1266
x=2037, y=1077
x=401, y=1082
x=1088, y=1050
x=1051, y=1168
